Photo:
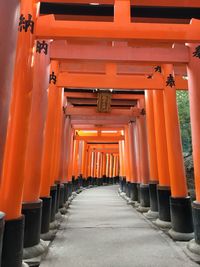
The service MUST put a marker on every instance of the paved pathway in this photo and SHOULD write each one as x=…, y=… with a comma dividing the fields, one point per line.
x=103, y=231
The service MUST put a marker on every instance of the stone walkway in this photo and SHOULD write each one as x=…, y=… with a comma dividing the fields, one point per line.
x=101, y=230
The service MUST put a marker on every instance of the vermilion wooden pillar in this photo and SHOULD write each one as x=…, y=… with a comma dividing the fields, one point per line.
x=71, y=148
x=16, y=143
x=153, y=168
x=107, y=165
x=57, y=135
x=121, y=166
x=163, y=189
x=64, y=160
x=67, y=140
x=32, y=205
x=128, y=168
x=144, y=161
x=133, y=162
x=8, y=51
x=132, y=152
x=47, y=189
x=75, y=164
x=49, y=130
x=111, y=169
x=181, y=216
x=194, y=96
x=89, y=165
x=8, y=35
x=101, y=169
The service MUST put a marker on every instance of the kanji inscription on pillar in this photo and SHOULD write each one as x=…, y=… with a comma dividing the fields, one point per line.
x=196, y=53
x=25, y=24
x=42, y=46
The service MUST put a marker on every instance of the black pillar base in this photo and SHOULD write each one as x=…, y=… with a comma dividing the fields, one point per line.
x=163, y=195
x=85, y=182
x=89, y=180
x=33, y=217
x=144, y=195
x=99, y=181
x=124, y=185
x=70, y=189
x=46, y=214
x=134, y=191
x=110, y=180
x=12, y=252
x=95, y=181
x=65, y=192
x=128, y=191
x=61, y=197
x=2, y=224
x=57, y=183
x=181, y=215
x=153, y=196
x=104, y=179
x=53, y=193
x=138, y=189
x=196, y=221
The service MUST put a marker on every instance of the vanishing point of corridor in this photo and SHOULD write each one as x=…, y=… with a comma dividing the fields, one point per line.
x=101, y=230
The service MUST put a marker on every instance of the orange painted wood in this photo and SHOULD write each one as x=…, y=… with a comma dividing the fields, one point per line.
x=66, y=148
x=150, y=120
x=71, y=148
x=174, y=146
x=194, y=96
x=56, y=154
x=132, y=148
x=106, y=81
x=143, y=148
x=75, y=158
x=47, y=27
x=33, y=161
x=127, y=163
x=7, y=65
x=161, y=139
x=46, y=172
x=62, y=50
x=14, y=158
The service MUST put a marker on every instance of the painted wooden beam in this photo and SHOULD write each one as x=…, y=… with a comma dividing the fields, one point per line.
x=94, y=95
x=99, y=138
x=49, y=28
x=90, y=112
x=61, y=50
x=101, y=121
x=99, y=67
x=116, y=81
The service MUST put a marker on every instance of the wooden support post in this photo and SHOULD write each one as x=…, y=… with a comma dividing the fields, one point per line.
x=58, y=109
x=17, y=134
x=7, y=52
x=193, y=69
x=153, y=168
x=32, y=205
x=49, y=130
x=163, y=189
x=144, y=161
x=133, y=162
x=181, y=215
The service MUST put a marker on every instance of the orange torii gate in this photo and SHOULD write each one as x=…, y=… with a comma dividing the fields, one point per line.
x=33, y=29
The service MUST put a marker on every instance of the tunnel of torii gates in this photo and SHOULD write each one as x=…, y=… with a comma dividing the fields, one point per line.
x=62, y=126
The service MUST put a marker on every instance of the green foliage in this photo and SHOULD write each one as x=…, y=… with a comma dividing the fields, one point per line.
x=184, y=118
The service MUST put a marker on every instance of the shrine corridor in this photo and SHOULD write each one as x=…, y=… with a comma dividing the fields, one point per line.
x=101, y=230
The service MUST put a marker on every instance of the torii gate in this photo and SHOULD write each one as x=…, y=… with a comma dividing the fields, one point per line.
x=21, y=151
